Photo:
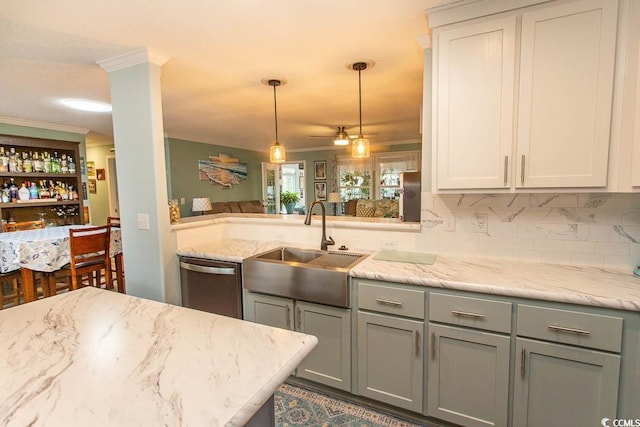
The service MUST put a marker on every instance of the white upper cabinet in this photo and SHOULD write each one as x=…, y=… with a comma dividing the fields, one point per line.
x=475, y=74
x=566, y=87
x=522, y=99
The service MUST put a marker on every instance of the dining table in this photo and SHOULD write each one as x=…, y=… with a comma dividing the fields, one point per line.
x=44, y=250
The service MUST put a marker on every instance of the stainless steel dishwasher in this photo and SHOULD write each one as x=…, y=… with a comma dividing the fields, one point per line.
x=213, y=286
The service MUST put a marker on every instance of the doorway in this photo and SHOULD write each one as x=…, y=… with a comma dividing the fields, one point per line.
x=278, y=178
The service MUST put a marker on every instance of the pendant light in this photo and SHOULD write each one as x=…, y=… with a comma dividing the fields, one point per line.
x=360, y=146
x=341, y=137
x=276, y=151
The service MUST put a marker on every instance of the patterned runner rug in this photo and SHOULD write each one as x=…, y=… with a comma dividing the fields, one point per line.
x=296, y=406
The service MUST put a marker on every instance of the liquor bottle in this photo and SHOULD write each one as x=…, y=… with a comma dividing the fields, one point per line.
x=72, y=166
x=38, y=164
x=23, y=192
x=44, y=190
x=64, y=195
x=6, y=196
x=4, y=161
x=64, y=164
x=12, y=160
x=46, y=163
x=19, y=163
x=33, y=191
x=55, y=163
x=27, y=163
x=13, y=190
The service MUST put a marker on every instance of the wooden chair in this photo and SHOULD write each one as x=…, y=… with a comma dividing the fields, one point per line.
x=89, y=253
x=25, y=225
x=13, y=297
x=117, y=267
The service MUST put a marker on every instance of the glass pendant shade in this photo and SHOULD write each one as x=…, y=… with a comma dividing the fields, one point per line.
x=360, y=148
x=341, y=137
x=277, y=153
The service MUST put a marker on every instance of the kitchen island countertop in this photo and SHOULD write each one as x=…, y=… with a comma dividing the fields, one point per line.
x=583, y=285
x=94, y=357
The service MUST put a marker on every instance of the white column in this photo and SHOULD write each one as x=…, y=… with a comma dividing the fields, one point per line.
x=149, y=244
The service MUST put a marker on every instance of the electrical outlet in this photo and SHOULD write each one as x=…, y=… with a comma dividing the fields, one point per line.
x=390, y=244
x=143, y=221
x=449, y=222
x=481, y=223
x=182, y=200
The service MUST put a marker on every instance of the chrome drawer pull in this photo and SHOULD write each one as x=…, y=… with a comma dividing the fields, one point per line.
x=523, y=361
x=433, y=346
x=388, y=302
x=467, y=314
x=570, y=330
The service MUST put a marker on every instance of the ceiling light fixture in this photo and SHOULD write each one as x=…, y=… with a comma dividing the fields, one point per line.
x=276, y=151
x=87, y=105
x=341, y=137
x=360, y=147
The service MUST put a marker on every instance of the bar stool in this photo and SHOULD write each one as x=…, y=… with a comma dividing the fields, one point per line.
x=89, y=253
x=117, y=267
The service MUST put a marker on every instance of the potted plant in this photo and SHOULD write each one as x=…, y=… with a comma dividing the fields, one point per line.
x=289, y=200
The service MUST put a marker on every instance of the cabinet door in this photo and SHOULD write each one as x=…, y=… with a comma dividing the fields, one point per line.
x=390, y=360
x=557, y=385
x=566, y=88
x=474, y=89
x=468, y=376
x=330, y=362
x=269, y=310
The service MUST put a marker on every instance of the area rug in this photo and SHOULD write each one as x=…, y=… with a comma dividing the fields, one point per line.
x=297, y=406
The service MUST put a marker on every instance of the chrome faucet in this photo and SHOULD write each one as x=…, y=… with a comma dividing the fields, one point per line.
x=307, y=221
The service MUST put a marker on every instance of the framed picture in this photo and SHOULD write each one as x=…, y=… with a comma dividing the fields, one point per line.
x=100, y=174
x=85, y=195
x=320, y=190
x=92, y=186
x=320, y=169
x=83, y=168
x=91, y=168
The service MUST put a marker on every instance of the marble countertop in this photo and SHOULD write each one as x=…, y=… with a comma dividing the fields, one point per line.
x=582, y=285
x=94, y=357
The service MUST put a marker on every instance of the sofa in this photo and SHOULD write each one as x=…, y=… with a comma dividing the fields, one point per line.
x=372, y=208
x=244, y=206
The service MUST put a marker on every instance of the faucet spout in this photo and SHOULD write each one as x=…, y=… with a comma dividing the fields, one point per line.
x=324, y=243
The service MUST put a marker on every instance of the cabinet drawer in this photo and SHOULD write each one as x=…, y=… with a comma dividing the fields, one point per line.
x=471, y=312
x=387, y=299
x=570, y=327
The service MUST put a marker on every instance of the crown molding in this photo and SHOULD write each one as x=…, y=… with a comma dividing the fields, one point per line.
x=43, y=125
x=135, y=57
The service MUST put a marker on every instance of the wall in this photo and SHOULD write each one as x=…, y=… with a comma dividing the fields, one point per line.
x=183, y=171
x=570, y=228
x=99, y=200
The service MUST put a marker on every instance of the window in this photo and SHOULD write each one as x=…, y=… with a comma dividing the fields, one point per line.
x=355, y=175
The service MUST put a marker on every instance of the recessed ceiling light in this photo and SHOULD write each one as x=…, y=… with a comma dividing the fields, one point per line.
x=86, y=105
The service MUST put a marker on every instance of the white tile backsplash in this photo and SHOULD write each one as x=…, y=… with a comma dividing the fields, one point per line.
x=600, y=229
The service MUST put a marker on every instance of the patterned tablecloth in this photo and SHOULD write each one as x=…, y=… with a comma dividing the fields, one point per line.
x=45, y=249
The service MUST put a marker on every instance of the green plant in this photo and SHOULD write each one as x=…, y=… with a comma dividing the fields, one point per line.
x=287, y=197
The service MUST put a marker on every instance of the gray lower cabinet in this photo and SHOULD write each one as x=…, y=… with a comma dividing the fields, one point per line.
x=330, y=362
x=390, y=360
x=468, y=376
x=559, y=385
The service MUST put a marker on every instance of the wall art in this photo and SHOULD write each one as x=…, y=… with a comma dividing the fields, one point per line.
x=223, y=170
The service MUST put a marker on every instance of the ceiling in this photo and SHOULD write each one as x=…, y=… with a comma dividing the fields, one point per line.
x=219, y=51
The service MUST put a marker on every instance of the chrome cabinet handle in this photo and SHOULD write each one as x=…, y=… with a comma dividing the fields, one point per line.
x=467, y=314
x=523, y=360
x=388, y=302
x=433, y=345
x=522, y=170
x=299, y=319
x=417, y=343
x=506, y=168
x=288, y=317
x=570, y=330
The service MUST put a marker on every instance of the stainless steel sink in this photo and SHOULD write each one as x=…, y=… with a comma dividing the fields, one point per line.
x=302, y=274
